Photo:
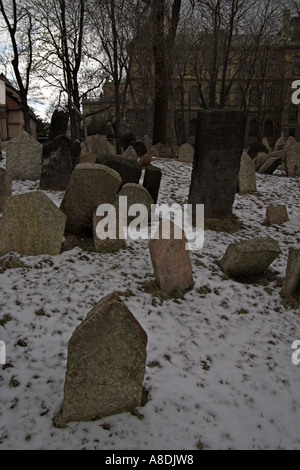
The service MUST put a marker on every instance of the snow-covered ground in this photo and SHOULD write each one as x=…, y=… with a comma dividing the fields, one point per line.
x=219, y=366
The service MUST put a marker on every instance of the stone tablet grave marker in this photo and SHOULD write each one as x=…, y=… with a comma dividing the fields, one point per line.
x=24, y=157
x=106, y=364
x=218, y=148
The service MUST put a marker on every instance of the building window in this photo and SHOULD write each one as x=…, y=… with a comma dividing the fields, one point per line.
x=269, y=129
x=270, y=97
x=194, y=96
x=254, y=97
x=292, y=132
x=253, y=128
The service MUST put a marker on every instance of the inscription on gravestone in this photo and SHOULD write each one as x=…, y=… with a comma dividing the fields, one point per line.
x=218, y=149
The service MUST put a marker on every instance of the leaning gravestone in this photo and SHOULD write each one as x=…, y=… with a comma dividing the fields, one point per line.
x=135, y=194
x=106, y=364
x=218, y=149
x=97, y=144
x=32, y=225
x=5, y=188
x=24, y=157
x=170, y=259
x=129, y=171
x=249, y=258
x=90, y=185
x=271, y=164
x=291, y=284
x=60, y=157
x=247, y=175
x=152, y=180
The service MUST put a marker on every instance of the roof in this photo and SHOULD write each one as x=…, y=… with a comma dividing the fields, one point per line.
x=13, y=100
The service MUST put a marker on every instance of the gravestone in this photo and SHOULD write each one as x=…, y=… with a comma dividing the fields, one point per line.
x=113, y=243
x=152, y=180
x=247, y=175
x=129, y=171
x=89, y=157
x=140, y=148
x=186, y=153
x=60, y=157
x=5, y=188
x=105, y=366
x=171, y=260
x=292, y=157
x=97, y=144
x=130, y=154
x=250, y=257
x=90, y=185
x=24, y=157
x=218, y=149
x=291, y=283
x=31, y=225
x=135, y=194
x=271, y=164
x=276, y=215
x=59, y=124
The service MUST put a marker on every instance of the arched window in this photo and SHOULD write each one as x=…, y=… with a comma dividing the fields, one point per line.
x=194, y=96
x=253, y=128
x=270, y=97
x=269, y=129
x=254, y=97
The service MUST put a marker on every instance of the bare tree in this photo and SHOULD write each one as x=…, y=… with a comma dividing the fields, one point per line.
x=19, y=24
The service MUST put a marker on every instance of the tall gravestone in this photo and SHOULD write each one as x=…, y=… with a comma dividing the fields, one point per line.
x=59, y=124
x=218, y=149
x=60, y=157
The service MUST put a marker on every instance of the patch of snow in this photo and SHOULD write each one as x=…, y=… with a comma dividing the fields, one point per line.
x=219, y=368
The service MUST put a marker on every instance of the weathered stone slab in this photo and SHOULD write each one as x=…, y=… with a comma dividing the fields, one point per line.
x=291, y=284
x=247, y=175
x=106, y=364
x=171, y=260
x=250, y=257
x=152, y=180
x=88, y=158
x=276, y=215
x=135, y=194
x=24, y=157
x=218, y=148
x=270, y=165
x=90, y=185
x=292, y=157
x=60, y=157
x=266, y=144
x=186, y=153
x=32, y=225
x=280, y=143
x=129, y=171
x=97, y=144
x=5, y=188
x=115, y=241
x=130, y=154
x=59, y=124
